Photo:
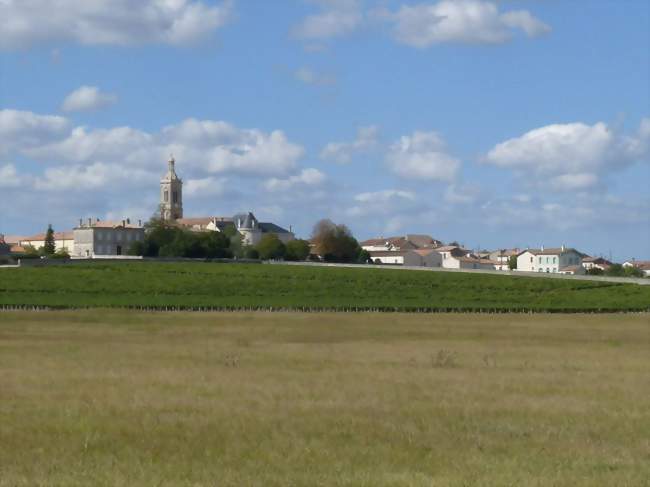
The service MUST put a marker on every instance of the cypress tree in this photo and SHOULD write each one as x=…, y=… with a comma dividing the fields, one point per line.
x=49, y=247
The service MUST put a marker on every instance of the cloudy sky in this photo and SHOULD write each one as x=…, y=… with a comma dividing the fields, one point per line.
x=494, y=123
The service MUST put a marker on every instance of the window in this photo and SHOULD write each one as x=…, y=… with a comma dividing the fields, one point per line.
x=175, y=197
x=531, y=260
x=554, y=260
x=540, y=270
x=548, y=270
x=540, y=260
x=166, y=196
x=548, y=260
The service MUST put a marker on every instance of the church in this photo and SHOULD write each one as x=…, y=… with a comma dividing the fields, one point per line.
x=171, y=211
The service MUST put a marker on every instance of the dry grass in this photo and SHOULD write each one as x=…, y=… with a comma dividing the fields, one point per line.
x=116, y=398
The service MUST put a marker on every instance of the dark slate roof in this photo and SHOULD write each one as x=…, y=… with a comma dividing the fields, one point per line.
x=272, y=228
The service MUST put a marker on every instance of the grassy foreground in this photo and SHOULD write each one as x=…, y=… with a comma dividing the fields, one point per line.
x=117, y=398
x=236, y=286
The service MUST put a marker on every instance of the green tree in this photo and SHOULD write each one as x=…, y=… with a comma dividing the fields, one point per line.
x=50, y=246
x=137, y=248
x=335, y=243
x=512, y=262
x=61, y=254
x=297, y=250
x=615, y=270
x=251, y=253
x=271, y=247
x=364, y=257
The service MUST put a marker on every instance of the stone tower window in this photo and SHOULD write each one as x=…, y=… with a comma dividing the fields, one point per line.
x=166, y=196
x=175, y=197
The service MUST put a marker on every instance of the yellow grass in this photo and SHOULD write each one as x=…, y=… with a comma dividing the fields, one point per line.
x=112, y=398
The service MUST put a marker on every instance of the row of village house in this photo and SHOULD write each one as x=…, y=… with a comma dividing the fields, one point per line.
x=425, y=251
x=109, y=239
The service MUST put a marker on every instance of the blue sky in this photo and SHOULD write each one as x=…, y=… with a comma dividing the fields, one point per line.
x=496, y=124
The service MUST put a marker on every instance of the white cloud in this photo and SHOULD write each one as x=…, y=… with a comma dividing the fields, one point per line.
x=465, y=194
x=385, y=196
x=89, y=177
x=311, y=77
x=307, y=177
x=222, y=148
x=20, y=129
x=337, y=18
x=9, y=177
x=87, y=98
x=386, y=202
x=119, y=144
x=460, y=21
x=24, y=23
x=210, y=146
x=342, y=152
x=573, y=155
x=422, y=156
x=209, y=186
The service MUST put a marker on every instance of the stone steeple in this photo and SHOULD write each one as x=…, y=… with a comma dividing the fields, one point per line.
x=171, y=194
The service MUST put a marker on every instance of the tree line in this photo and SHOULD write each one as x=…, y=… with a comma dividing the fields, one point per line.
x=329, y=241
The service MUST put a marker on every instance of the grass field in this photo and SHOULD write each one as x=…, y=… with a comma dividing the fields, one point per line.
x=118, y=398
x=237, y=286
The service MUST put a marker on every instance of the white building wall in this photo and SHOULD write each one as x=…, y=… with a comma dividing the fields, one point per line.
x=91, y=242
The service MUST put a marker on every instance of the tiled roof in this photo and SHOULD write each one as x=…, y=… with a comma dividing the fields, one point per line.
x=67, y=235
x=424, y=252
x=551, y=251
x=13, y=239
x=111, y=224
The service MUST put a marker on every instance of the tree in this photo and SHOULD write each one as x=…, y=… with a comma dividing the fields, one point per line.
x=137, y=248
x=617, y=270
x=270, y=247
x=335, y=243
x=168, y=240
x=512, y=262
x=61, y=254
x=364, y=257
x=50, y=246
x=297, y=250
x=251, y=253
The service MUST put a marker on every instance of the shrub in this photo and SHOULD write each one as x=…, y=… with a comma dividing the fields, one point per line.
x=270, y=247
x=297, y=250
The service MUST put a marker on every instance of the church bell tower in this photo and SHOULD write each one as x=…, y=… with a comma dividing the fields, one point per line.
x=171, y=194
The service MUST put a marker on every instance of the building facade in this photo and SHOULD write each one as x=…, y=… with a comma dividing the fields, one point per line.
x=105, y=238
x=171, y=194
x=552, y=260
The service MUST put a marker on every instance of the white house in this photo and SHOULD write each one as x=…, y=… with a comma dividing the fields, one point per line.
x=449, y=255
x=595, y=263
x=105, y=238
x=396, y=257
x=62, y=241
x=501, y=258
x=550, y=260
